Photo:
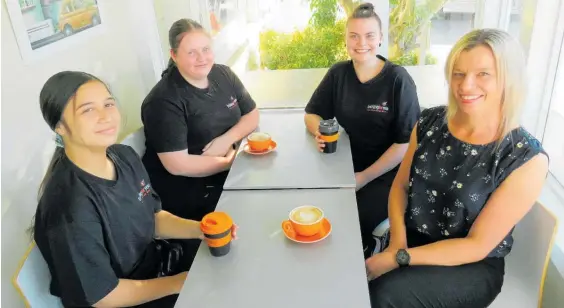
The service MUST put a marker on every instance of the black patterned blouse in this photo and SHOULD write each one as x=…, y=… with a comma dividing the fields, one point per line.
x=451, y=181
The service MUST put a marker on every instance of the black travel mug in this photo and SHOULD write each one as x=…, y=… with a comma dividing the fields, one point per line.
x=329, y=130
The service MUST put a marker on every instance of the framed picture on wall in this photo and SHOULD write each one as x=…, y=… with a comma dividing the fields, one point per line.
x=42, y=27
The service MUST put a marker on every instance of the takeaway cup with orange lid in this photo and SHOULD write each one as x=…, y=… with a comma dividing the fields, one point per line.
x=329, y=132
x=216, y=227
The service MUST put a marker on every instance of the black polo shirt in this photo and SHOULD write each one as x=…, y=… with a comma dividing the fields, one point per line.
x=92, y=231
x=178, y=116
x=375, y=114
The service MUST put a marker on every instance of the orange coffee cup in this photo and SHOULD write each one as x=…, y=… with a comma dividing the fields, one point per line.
x=304, y=220
x=259, y=141
x=216, y=227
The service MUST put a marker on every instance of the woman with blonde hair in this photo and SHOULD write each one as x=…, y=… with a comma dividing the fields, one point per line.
x=470, y=174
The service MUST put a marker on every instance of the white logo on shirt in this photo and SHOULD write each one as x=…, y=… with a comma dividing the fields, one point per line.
x=382, y=108
x=233, y=103
x=145, y=190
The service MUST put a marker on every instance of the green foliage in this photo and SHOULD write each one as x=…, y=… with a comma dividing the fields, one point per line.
x=408, y=19
x=313, y=47
x=323, y=13
x=412, y=58
x=322, y=42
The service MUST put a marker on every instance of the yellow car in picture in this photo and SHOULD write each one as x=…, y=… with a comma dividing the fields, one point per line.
x=77, y=14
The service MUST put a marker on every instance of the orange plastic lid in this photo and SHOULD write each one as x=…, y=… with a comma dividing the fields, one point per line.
x=216, y=223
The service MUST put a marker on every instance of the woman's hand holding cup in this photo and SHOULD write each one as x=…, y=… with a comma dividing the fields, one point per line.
x=320, y=141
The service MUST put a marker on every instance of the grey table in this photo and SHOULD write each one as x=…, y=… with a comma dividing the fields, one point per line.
x=264, y=269
x=296, y=163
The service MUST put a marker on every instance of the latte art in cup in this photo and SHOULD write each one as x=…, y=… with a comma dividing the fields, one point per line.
x=259, y=137
x=306, y=215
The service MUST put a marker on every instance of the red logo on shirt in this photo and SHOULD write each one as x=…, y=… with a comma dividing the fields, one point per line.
x=145, y=190
x=233, y=103
x=382, y=108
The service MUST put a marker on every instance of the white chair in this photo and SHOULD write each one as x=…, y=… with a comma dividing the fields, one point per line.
x=32, y=280
x=526, y=265
x=136, y=140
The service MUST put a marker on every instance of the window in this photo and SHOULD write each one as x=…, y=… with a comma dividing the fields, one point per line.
x=447, y=22
x=552, y=138
x=25, y=4
x=221, y=13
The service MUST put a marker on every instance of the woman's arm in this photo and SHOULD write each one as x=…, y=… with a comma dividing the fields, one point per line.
x=184, y=164
x=397, y=201
x=312, y=123
x=168, y=226
x=320, y=105
x=508, y=204
x=246, y=125
x=388, y=161
x=221, y=145
x=135, y=292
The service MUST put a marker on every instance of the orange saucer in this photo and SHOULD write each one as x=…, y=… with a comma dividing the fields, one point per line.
x=248, y=150
x=291, y=234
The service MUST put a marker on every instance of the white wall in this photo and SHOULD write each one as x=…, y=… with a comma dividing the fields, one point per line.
x=226, y=43
x=169, y=11
x=121, y=56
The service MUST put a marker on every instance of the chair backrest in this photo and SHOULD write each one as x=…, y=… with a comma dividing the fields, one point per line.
x=32, y=280
x=526, y=265
x=136, y=140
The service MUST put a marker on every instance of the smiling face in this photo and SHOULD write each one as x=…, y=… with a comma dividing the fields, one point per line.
x=363, y=37
x=91, y=119
x=474, y=81
x=194, y=56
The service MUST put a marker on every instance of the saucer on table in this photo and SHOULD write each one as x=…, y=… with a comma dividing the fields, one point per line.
x=323, y=233
x=271, y=148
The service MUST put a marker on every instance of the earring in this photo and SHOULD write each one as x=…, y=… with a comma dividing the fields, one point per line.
x=59, y=141
x=380, y=45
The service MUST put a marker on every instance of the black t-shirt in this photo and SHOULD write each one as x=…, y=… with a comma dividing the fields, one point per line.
x=92, y=231
x=451, y=181
x=178, y=116
x=375, y=114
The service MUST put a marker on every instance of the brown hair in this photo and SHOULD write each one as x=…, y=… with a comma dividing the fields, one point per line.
x=176, y=33
x=365, y=10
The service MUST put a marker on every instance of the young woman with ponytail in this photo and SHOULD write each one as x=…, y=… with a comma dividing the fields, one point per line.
x=98, y=216
x=192, y=119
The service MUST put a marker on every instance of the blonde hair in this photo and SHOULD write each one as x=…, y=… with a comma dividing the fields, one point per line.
x=510, y=67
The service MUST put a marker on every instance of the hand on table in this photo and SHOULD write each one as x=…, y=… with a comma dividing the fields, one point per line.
x=219, y=147
x=380, y=263
x=320, y=142
x=234, y=229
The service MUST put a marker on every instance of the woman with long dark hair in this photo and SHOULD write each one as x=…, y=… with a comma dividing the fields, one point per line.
x=98, y=215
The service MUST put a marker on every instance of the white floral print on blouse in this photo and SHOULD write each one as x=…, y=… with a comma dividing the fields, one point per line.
x=451, y=180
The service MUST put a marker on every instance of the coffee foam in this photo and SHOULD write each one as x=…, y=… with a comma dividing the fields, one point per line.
x=259, y=137
x=306, y=215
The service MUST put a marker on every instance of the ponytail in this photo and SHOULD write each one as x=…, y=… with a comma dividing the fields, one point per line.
x=58, y=155
x=169, y=67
